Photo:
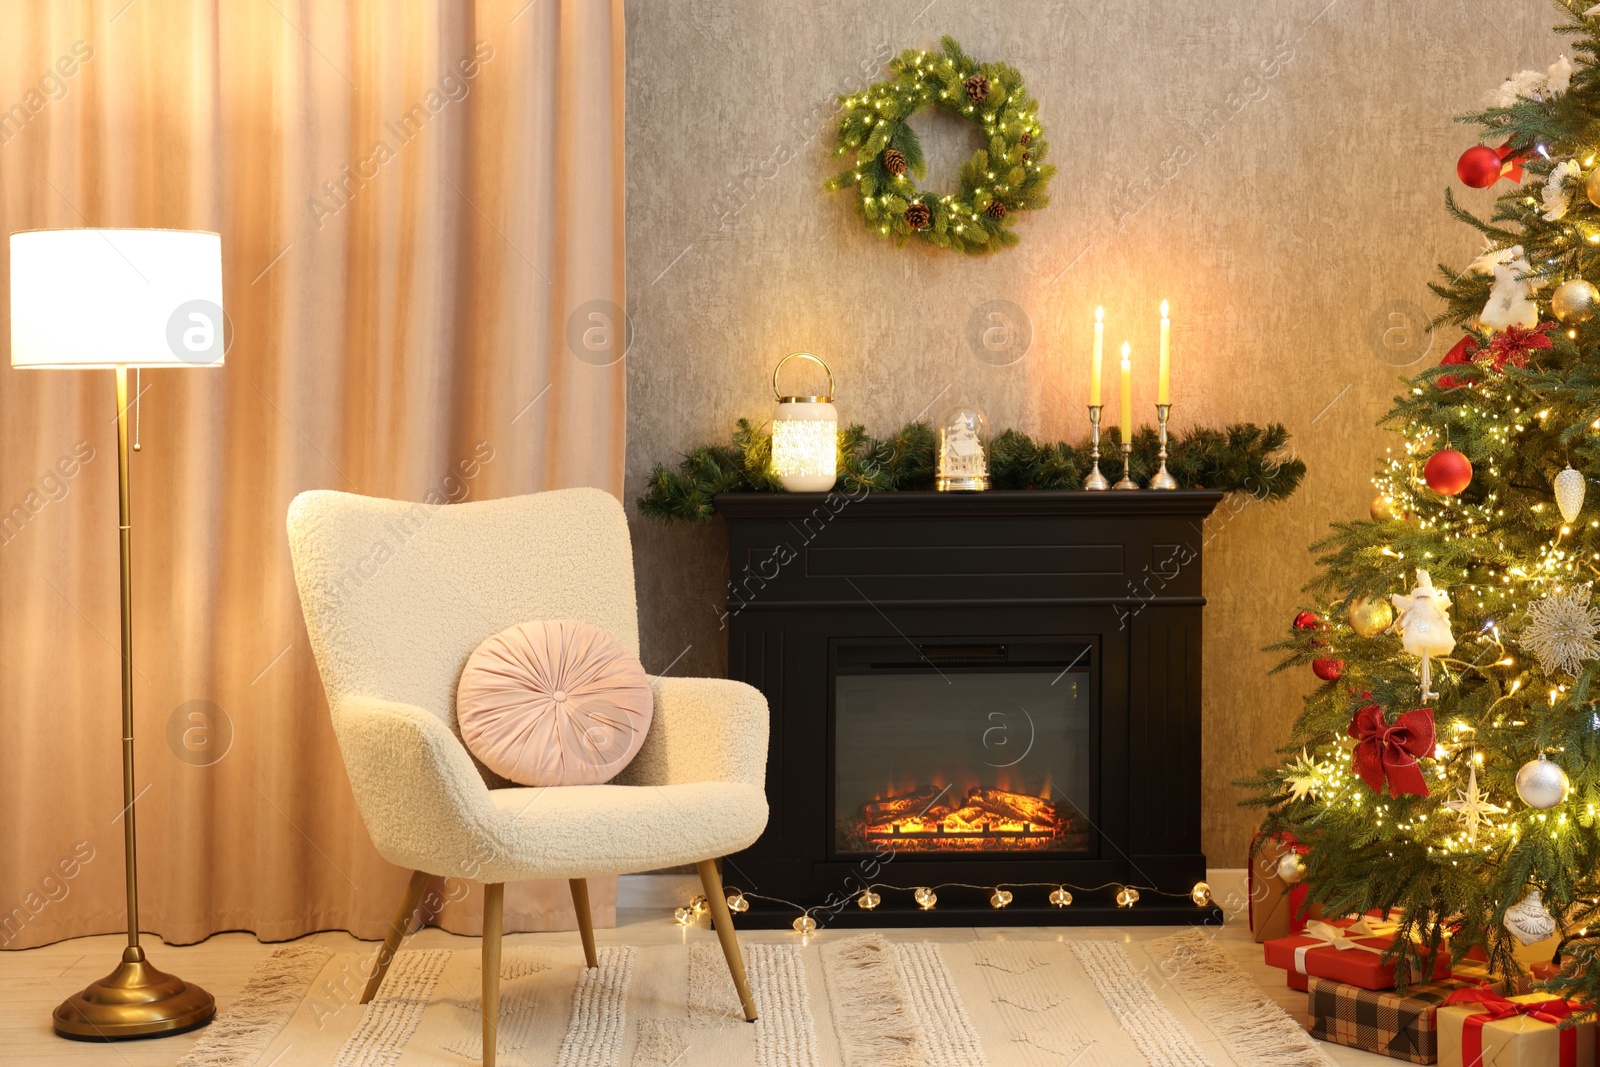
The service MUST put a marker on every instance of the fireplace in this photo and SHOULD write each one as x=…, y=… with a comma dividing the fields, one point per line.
x=971, y=692
x=942, y=748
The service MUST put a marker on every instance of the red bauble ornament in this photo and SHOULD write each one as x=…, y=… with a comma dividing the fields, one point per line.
x=1447, y=472
x=1328, y=670
x=1479, y=166
x=1307, y=620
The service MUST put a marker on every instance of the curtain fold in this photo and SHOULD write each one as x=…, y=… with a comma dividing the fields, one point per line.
x=421, y=213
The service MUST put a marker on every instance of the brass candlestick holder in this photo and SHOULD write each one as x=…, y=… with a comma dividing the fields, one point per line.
x=1162, y=479
x=1096, y=480
x=1126, y=481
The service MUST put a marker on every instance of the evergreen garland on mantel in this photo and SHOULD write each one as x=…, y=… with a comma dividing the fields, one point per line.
x=1243, y=458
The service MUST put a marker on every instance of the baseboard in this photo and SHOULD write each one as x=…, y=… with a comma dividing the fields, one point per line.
x=667, y=891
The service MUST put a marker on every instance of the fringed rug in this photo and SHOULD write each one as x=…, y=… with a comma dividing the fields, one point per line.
x=860, y=1001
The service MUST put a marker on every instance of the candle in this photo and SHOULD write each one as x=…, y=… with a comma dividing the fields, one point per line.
x=1164, y=374
x=1099, y=356
x=1127, y=395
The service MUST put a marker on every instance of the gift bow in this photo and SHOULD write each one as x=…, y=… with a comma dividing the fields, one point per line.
x=1496, y=1007
x=1326, y=934
x=1389, y=751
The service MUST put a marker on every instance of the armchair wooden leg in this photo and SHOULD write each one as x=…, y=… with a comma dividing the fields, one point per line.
x=399, y=926
x=711, y=881
x=580, y=904
x=493, y=912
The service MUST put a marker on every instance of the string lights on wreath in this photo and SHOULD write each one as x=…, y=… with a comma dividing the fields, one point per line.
x=1005, y=177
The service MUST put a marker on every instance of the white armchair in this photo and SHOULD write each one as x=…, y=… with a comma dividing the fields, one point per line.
x=396, y=597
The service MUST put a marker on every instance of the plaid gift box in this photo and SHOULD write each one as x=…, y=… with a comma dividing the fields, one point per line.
x=1401, y=1027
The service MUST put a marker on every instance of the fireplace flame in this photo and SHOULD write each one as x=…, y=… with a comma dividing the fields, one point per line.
x=934, y=818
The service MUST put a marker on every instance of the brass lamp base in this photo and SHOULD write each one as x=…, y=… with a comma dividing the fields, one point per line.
x=135, y=1000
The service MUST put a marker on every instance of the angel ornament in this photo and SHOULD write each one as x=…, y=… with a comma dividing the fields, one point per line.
x=1423, y=623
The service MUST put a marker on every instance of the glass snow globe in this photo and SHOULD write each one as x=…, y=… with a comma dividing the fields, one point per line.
x=963, y=451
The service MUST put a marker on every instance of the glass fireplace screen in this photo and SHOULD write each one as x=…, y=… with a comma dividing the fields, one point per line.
x=944, y=748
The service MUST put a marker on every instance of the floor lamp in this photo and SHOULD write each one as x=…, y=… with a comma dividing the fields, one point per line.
x=118, y=299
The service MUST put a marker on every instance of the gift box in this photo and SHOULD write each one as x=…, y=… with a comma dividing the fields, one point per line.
x=1478, y=1027
x=1351, y=951
x=1274, y=903
x=1380, y=1021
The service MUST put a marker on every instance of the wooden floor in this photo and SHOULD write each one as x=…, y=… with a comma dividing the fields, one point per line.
x=34, y=981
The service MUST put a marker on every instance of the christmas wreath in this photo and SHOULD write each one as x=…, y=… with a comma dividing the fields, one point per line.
x=1004, y=178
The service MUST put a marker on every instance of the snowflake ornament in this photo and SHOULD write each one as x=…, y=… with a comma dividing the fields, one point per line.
x=1556, y=194
x=1473, y=806
x=1562, y=630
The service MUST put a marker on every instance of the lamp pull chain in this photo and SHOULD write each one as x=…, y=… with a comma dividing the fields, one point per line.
x=138, y=391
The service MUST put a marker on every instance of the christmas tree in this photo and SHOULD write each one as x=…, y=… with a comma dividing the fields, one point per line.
x=1446, y=764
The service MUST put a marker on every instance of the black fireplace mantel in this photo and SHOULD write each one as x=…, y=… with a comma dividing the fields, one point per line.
x=1118, y=572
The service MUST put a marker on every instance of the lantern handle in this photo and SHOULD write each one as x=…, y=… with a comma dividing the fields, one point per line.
x=802, y=399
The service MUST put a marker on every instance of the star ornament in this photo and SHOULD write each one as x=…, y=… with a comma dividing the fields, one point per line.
x=1300, y=777
x=1473, y=806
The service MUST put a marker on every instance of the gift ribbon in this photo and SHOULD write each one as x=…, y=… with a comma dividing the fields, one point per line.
x=1496, y=1008
x=1389, y=751
x=1326, y=935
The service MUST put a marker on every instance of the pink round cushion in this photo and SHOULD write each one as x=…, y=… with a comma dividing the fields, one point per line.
x=554, y=703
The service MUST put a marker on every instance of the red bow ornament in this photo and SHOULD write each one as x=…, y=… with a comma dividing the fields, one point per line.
x=1513, y=345
x=1512, y=160
x=1462, y=354
x=1496, y=1007
x=1389, y=751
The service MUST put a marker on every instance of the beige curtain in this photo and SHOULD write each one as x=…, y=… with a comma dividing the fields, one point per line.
x=421, y=213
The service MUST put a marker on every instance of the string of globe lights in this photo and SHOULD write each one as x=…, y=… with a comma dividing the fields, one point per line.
x=927, y=898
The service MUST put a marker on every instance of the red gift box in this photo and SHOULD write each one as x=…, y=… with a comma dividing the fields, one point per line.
x=1348, y=951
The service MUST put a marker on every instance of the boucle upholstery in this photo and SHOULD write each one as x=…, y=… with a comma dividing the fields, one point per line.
x=396, y=596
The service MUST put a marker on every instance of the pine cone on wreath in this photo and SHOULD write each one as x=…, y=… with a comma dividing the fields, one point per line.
x=977, y=88
x=1027, y=156
x=1026, y=137
x=995, y=210
x=918, y=216
x=894, y=161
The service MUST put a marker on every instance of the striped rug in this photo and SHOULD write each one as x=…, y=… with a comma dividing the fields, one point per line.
x=836, y=1000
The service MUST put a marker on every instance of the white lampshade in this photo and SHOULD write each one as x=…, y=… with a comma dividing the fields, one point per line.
x=103, y=298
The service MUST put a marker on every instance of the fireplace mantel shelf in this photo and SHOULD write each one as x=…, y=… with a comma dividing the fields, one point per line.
x=993, y=503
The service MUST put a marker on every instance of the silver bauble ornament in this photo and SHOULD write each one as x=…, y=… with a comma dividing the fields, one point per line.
x=1575, y=300
x=1529, y=920
x=1541, y=784
x=1569, y=493
x=1591, y=187
x=1291, y=868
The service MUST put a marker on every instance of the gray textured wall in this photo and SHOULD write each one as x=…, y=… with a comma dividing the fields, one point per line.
x=1275, y=169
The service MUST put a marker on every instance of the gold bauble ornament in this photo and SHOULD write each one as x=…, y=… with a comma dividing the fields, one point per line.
x=1591, y=187
x=1381, y=509
x=1575, y=300
x=1369, y=617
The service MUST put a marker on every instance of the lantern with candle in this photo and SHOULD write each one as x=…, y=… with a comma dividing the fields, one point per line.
x=963, y=447
x=805, y=435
